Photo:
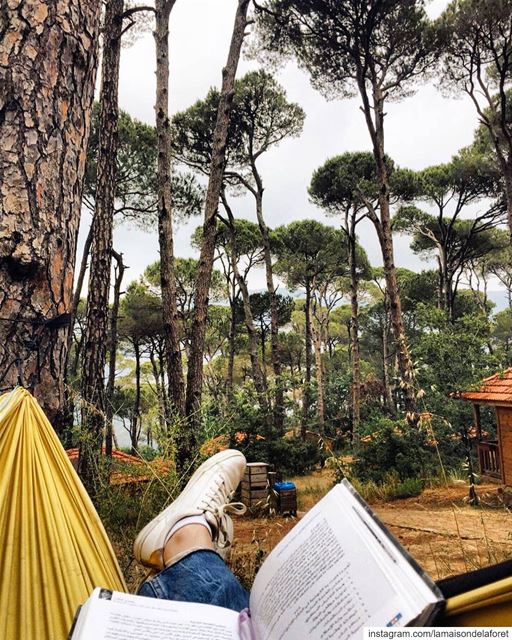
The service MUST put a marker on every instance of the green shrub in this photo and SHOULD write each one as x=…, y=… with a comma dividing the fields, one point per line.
x=391, y=447
x=391, y=488
x=409, y=488
x=289, y=457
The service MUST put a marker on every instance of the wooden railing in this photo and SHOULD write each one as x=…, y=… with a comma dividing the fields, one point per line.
x=489, y=459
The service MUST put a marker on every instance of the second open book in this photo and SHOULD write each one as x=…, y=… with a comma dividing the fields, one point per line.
x=337, y=571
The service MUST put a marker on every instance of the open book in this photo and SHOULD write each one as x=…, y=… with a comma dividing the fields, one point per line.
x=337, y=571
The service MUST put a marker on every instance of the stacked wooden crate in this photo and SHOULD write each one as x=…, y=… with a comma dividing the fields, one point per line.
x=255, y=485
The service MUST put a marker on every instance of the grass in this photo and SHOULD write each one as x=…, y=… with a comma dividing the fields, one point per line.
x=311, y=488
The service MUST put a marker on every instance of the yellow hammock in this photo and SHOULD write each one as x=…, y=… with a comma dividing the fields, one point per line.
x=54, y=549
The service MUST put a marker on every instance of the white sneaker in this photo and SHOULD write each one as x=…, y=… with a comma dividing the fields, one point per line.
x=208, y=492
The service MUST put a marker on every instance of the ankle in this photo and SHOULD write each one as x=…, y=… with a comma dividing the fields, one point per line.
x=191, y=537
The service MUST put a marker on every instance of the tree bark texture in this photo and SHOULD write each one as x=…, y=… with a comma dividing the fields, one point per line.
x=96, y=325
x=165, y=228
x=48, y=59
x=195, y=364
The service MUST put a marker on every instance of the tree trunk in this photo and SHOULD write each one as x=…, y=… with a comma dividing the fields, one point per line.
x=135, y=427
x=306, y=394
x=274, y=315
x=80, y=283
x=96, y=325
x=388, y=395
x=165, y=228
x=319, y=371
x=257, y=373
x=66, y=417
x=114, y=316
x=187, y=441
x=395, y=307
x=263, y=344
x=159, y=394
x=376, y=130
x=450, y=298
x=232, y=337
x=354, y=333
x=48, y=54
x=443, y=280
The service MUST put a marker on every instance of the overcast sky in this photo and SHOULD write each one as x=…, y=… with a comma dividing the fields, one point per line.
x=422, y=130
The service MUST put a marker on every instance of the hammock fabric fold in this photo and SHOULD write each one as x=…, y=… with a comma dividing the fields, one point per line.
x=54, y=547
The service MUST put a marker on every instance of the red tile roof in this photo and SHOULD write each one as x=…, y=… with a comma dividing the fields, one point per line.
x=116, y=454
x=117, y=476
x=496, y=389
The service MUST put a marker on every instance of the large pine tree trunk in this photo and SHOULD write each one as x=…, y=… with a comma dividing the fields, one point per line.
x=165, y=229
x=96, y=325
x=48, y=58
x=195, y=363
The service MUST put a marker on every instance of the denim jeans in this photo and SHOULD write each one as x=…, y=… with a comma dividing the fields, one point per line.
x=202, y=576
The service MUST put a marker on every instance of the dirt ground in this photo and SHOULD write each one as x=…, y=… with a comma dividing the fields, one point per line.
x=441, y=531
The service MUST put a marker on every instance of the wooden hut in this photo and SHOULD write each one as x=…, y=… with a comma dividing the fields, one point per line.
x=494, y=456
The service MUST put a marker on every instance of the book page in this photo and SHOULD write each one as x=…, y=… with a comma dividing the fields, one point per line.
x=321, y=582
x=126, y=617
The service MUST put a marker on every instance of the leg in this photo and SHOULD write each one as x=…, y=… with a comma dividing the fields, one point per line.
x=185, y=540
x=201, y=576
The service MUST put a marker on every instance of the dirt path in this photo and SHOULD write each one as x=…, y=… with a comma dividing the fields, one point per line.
x=443, y=533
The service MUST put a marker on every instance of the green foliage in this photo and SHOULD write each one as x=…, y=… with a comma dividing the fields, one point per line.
x=308, y=249
x=391, y=488
x=390, y=446
x=136, y=174
x=260, y=119
x=320, y=34
x=289, y=457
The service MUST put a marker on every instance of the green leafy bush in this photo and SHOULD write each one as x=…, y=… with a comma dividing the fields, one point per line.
x=289, y=457
x=409, y=488
x=393, y=447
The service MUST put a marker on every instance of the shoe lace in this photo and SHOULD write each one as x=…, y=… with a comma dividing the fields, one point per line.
x=217, y=503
